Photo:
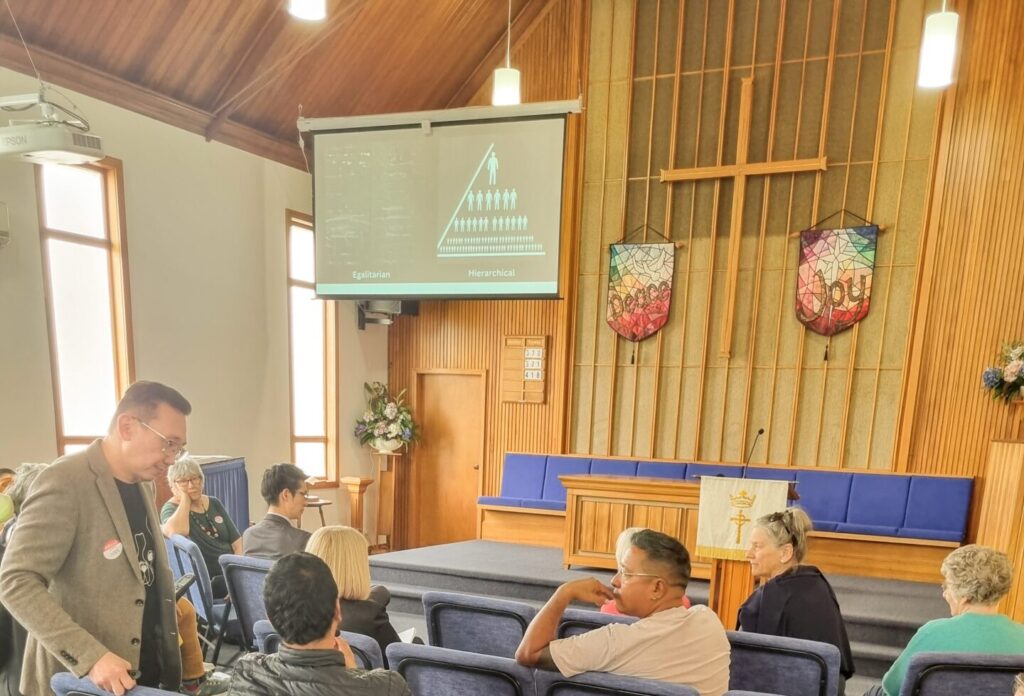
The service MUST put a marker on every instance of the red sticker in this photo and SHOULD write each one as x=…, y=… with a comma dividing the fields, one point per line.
x=112, y=549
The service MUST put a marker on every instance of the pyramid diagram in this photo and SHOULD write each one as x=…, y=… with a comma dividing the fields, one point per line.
x=490, y=219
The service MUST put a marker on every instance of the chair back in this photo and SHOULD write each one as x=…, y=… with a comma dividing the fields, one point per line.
x=589, y=683
x=577, y=621
x=444, y=672
x=365, y=649
x=476, y=624
x=244, y=577
x=266, y=636
x=785, y=666
x=185, y=557
x=952, y=674
x=67, y=684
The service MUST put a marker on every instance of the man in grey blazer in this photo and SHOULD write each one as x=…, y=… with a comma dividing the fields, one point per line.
x=86, y=570
x=284, y=489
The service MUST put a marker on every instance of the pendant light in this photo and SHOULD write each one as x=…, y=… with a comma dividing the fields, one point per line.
x=506, y=80
x=938, y=49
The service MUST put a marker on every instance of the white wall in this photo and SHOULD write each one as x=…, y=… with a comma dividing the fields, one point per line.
x=206, y=246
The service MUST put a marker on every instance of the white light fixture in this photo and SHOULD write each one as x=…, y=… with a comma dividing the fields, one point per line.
x=312, y=10
x=938, y=49
x=506, y=80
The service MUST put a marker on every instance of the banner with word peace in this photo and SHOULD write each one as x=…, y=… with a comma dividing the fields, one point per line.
x=639, y=288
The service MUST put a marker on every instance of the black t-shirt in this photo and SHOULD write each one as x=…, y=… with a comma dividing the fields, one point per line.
x=145, y=540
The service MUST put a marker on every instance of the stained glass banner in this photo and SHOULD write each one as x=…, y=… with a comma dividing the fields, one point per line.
x=639, y=288
x=833, y=287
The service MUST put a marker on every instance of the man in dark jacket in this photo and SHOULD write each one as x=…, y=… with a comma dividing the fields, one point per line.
x=302, y=603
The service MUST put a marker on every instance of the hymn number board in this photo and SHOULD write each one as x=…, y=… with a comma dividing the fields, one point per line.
x=524, y=369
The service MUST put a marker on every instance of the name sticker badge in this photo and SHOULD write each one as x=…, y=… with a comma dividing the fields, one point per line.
x=112, y=549
x=218, y=519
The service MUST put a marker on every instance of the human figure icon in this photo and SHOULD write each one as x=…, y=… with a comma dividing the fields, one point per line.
x=479, y=200
x=469, y=200
x=505, y=196
x=492, y=169
x=513, y=197
x=489, y=198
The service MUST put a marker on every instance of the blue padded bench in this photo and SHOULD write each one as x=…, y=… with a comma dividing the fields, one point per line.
x=884, y=505
x=531, y=480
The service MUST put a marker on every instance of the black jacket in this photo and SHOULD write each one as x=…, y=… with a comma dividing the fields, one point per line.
x=370, y=617
x=799, y=604
x=292, y=672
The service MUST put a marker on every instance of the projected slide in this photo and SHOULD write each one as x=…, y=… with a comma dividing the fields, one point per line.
x=489, y=220
x=469, y=209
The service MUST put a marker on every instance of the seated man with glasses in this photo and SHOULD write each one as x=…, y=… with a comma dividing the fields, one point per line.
x=201, y=518
x=669, y=643
x=284, y=489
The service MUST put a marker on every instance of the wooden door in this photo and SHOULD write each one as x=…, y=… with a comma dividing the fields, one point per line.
x=449, y=406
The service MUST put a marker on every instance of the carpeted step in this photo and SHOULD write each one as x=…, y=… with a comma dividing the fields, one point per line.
x=879, y=630
x=873, y=660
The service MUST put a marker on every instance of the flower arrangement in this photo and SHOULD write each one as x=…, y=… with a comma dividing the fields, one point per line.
x=1006, y=379
x=386, y=418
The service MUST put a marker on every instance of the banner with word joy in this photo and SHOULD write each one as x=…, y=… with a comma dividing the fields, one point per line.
x=833, y=286
x=728, y=508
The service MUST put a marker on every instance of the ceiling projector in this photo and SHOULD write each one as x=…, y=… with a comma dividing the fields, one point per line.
x=60, y=137
x=49, y=143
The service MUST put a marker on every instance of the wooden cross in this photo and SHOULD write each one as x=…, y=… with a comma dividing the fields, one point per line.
x=739, y=171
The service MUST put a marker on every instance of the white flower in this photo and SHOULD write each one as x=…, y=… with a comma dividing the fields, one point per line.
x=1017, y=353
x=1012, y=371
x=391, y=410
x=393, y=430
x=367, y=416
x=379, y=430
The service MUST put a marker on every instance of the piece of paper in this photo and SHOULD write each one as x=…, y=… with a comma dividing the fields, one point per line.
x=407, y=635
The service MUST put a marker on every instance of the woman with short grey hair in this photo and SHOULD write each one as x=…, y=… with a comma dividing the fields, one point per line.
x=201, y=518
x=975, y=579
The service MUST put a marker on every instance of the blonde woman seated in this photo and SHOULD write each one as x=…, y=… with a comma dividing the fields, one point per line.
x=793, y=600
x=363, y=608
x=975, y=579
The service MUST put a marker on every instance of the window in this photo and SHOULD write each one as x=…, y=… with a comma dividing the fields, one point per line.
x=312, y=340
x=84, y=269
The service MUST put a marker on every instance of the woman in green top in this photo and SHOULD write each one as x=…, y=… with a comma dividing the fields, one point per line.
x=200, y=518
x=976, y=578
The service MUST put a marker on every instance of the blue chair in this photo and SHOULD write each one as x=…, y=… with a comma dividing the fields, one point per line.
x=785, y=666
x=266, y=636
x=577, y=621
x=953, y=674
x=476, y=624
x=67, y=684
x=184, y=557
x=244, y=577
x=444, y=672
x=588, y=683
x=366, y=649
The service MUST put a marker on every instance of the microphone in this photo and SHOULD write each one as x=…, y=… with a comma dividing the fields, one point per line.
x=750, y=454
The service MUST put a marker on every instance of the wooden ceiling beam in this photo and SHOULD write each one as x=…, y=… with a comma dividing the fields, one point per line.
x=282, y=67
x=114, y=90
x=523, y=23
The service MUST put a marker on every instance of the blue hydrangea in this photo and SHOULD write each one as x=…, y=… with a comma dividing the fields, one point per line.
x=991, y=377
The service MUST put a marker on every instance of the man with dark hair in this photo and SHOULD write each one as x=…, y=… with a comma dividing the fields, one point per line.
x=301, y=598
x=284, y=489
x=86, y=573
x=669, y=643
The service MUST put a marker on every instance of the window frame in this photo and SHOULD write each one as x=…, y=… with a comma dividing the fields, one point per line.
x=330, y=438
x=116, y=246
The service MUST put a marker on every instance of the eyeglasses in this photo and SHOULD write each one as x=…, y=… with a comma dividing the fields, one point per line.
x=625, y=574
x=190, y=481
x=176, y=450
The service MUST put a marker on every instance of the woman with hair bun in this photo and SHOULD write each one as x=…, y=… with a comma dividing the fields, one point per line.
x=793, y=600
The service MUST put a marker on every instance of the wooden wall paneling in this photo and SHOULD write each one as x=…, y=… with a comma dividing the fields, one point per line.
x=467, y=334
x=974, y=271
x=1001, y=523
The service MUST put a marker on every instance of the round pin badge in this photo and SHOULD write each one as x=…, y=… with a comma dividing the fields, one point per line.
x=218, y=519
x=112, y=549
